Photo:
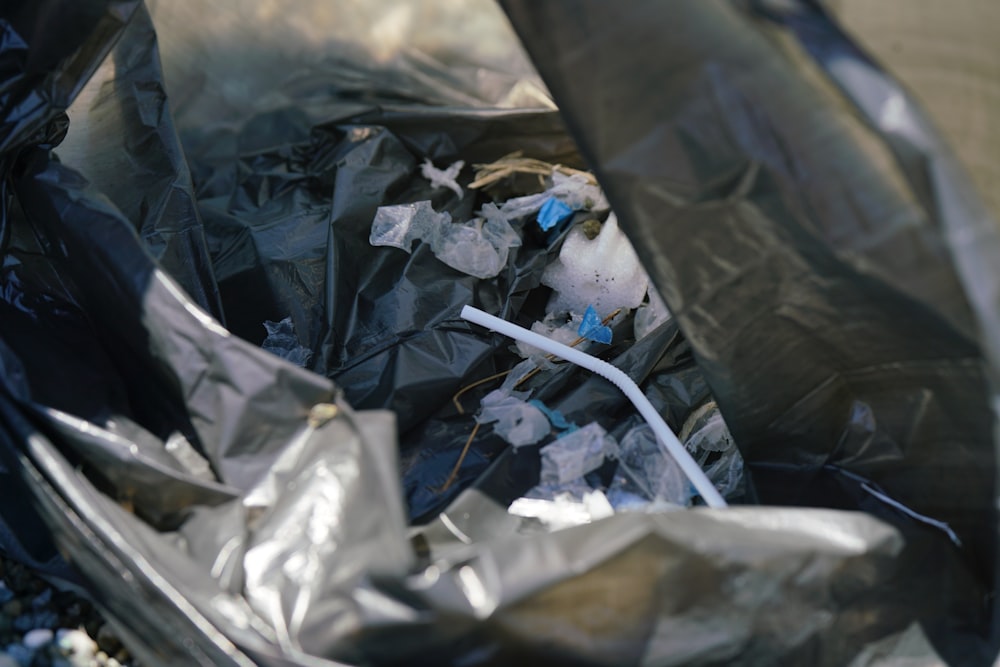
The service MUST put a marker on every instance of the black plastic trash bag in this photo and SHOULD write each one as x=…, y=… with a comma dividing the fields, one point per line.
x=826, y=262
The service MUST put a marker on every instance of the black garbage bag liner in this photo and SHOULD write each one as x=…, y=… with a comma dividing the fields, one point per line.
x=826, y=262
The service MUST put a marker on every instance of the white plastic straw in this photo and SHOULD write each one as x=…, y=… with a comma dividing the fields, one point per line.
x=616, y=376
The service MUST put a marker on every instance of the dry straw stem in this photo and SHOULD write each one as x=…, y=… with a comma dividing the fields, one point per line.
x=516, y=163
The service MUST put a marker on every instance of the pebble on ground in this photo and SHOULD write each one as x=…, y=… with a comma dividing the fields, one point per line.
x=42, y=626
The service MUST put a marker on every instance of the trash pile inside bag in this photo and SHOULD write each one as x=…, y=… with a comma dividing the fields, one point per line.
x=594, y=282
x=237, y=385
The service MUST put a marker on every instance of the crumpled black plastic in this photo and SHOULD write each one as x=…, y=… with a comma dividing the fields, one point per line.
x=805, y=249
x=822, y=286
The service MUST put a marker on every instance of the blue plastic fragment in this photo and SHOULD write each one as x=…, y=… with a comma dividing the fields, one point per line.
x=555, y=417
x=592, y=329
x=552, y=213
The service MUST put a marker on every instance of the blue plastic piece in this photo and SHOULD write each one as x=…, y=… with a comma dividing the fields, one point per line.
x=555, y=418
x=552, y=213
x=592, y=329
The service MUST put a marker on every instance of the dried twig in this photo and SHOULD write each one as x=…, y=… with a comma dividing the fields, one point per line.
x=468, y=387
x=461, y=458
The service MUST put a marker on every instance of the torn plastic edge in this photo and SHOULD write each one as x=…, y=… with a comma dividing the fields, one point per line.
x=620, y=379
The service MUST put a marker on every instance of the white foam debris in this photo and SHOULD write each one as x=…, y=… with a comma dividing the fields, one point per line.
x=604, y=272
x=572, y=456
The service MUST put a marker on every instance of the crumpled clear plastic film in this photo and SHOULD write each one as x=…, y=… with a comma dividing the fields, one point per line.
x=817, y=330
x=479, y=247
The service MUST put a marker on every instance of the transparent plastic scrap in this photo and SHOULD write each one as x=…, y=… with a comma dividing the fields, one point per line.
x=560, y=327
x=645, y=474
x=400, y=225
x=479, y=247
x=706, y=435
x=517, y=422
x=649, y=316
x=572, y=190
x=575, y=454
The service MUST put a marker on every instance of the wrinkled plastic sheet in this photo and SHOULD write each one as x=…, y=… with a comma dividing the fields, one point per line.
x=828, y=269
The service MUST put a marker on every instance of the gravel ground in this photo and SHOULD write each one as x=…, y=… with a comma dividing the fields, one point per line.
x=41, y=625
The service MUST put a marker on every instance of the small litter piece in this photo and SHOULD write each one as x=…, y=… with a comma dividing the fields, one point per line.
x=564, y=509
x=604, y=272
x=646, y=474
x=706, y=435
x=649, y=316
x=706, y=429
x=77, y=647
x=400, y=225
x=573, y=490
x=575, y=454
x=556, y=418
x=727, y=473
x=443, y=178
x=591, y=228
x=517, y=422
x=282, y=341
x=554, y=326
x=552, y=213
x=575, y=191
x=479, y=247
x=592, y=328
